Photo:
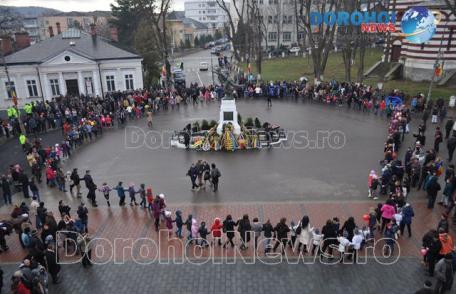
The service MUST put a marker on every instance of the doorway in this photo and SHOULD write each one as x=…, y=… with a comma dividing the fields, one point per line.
x=396, y=52
x=72, y=87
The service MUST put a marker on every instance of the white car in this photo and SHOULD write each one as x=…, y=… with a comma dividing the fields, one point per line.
x=294, y=49
x=203, y=66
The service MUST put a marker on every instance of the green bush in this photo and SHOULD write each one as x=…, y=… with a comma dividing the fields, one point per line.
x=205, y=125
x=212, y=124
x=257, y=123
x=249, y=122
x=196, y=127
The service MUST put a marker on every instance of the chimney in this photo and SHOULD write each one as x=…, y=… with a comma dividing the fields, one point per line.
x=114, y=34
x=59, y=31
x=22, y=40
x=6, y=45
x=93, y=30
x=51, y=31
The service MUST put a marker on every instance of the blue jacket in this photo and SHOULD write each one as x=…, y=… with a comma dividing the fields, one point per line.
x=120, y=191
x=407, y=214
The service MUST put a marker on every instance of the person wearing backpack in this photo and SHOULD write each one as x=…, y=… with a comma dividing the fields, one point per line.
x=407, y=215
x=215, y=175
x=432, y=187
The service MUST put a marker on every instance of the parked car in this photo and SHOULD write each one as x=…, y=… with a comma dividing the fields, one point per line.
x=294, y=50
x=203, y=66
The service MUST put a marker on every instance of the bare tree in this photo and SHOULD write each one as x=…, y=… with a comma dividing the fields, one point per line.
x=320, y=41
x=348, y=37
x=235, y=28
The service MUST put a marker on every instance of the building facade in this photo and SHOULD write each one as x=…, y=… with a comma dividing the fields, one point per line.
x=183, y=29
x=419, y=59
x=72, y=63
x=32, y=27
x=207, y=12
x=279, y=19
x=50, y=26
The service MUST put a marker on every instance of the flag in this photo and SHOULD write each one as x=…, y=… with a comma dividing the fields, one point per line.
x=438, y=70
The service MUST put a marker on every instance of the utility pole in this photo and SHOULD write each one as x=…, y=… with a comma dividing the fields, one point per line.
x=13, y=94
x=436, y=65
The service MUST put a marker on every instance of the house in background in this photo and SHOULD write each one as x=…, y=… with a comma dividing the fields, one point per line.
x=74, y=63
x=184, y=29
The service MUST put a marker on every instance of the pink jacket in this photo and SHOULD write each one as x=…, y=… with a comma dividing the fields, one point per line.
x=388, y=211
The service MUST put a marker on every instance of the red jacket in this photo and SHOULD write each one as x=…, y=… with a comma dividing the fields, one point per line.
x=216, y=228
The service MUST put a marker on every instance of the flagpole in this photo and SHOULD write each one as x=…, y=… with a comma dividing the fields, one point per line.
x=436, y=65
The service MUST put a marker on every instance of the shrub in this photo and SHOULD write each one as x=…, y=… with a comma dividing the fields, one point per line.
x=257, y=123
x=196, y=127
x=205, y=125
x=212, y=124
x=249, y=122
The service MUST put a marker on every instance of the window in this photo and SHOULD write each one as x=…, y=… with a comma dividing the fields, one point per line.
x=110, y=83
x=261, y=1
x=272, y=36
x=88, y=85
x=287, y=19
x=286, y=36
x=270, y=2
x=32, y=88
x=129, y=82
x=11, y=89
x=55, y=87
x=270, y=19
x=276, y=19
x=301, y=35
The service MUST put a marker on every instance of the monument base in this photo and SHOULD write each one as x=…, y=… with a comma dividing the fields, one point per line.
x=228, y=115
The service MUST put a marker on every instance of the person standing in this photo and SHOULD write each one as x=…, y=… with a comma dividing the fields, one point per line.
x=86, y=251
x=444, y=274
x=432, y=187
x=75, y=182
x=304, y=233
x=407, y=215
x=281, y=230
x=215, y=175
x=193, y=174
x=6, y=189
x=120, y=193
x=83, y=215
x=448, y=127
x=451, y=145
x=244, y=229
x=90, y=185
x=228, y=229
x=438, y=138
x=52, y=263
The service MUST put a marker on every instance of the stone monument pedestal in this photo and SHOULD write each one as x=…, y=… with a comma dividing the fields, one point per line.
x=228, y=114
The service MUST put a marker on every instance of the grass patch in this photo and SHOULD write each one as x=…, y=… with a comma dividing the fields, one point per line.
x=292, y=68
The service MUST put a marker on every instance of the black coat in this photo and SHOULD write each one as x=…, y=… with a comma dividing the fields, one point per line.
x=282, y=231
x=52, y=264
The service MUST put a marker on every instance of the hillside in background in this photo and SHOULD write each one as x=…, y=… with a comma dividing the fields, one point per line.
x=29, y=11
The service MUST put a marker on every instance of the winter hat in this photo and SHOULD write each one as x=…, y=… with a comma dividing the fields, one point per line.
x=162, y=196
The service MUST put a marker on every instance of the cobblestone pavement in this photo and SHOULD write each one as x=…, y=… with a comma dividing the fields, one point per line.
x=405, y=276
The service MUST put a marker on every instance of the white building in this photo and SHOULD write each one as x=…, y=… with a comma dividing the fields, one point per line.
x=207, y=12
x=279, y=20
x=72, y=63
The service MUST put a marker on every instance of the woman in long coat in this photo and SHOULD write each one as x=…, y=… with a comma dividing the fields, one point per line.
x=305, y=234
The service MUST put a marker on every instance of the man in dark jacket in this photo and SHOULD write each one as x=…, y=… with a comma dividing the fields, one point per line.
x=432, y=187
x=444, y=274
x=448, y=127
x=52, y=263
x=83, y=215
x=281, y=230
x=451, y=145
x=90, y=185
x=76, y=182
x=6, y=189
x=427, y=288
x=193, y=174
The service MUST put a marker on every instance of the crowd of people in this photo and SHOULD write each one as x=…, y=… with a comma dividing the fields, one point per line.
x=81, y=120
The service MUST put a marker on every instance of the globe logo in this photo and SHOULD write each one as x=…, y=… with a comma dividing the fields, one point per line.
x=419, y=24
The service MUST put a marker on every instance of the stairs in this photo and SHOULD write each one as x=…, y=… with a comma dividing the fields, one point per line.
x=385, y=71
x=448, y=79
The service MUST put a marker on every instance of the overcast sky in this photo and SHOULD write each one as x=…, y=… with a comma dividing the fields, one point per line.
x=76, y=5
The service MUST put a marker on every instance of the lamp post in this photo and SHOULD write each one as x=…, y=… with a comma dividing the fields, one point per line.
x=8, y=90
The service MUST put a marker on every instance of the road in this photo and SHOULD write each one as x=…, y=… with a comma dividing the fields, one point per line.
x=191, y=67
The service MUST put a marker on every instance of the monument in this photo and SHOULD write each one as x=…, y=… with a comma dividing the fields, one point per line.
x=228, y=111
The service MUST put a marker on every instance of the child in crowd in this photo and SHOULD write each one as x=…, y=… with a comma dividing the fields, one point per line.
x=150, y=198
x=257, y=228
x=343, y=244
x=105, y=190
x=216, y=230
x=203, y=232
x=293, y=234
x=316, y=240
x=132, y=192
x=168, y=221
x=142, y=195
x=179, y=223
